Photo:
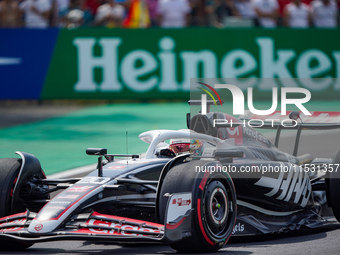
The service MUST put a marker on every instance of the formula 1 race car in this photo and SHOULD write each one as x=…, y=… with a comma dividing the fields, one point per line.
x=192, y=189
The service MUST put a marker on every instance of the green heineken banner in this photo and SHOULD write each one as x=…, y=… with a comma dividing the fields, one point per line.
x=158, y=63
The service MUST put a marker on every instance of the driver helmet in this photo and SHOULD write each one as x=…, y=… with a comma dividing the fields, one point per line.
x=179, y=146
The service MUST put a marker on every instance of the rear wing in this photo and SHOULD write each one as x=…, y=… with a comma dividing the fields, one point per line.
x=294, y=120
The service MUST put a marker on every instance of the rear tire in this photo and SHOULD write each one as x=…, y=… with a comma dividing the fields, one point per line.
x=213, y=200
x=334, y=187
x=9, y=171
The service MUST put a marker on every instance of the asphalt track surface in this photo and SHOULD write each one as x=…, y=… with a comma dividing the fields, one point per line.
x=305, y=241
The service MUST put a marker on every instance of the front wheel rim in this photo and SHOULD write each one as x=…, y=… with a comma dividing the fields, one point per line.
x=216, y=209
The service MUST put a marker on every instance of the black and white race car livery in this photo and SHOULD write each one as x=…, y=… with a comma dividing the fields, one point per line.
x=232, y=181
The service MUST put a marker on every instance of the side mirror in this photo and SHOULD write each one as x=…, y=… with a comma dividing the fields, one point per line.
x=294, y=115
x=96, y=151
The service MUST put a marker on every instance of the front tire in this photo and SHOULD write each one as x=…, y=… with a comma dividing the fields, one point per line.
x=9, y=171
x=213, y=200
